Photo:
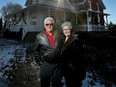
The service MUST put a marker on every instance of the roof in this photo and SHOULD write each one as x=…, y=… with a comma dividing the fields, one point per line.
x=43, y=6
x=102, y=4
x=81, y=2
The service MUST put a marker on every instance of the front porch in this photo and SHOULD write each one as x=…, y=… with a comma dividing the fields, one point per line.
x=91, y=28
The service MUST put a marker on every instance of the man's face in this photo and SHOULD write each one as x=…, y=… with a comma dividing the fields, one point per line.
x=66, y=31
x=49, y=25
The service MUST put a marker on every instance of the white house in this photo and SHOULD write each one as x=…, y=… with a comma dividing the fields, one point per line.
x=85, y=15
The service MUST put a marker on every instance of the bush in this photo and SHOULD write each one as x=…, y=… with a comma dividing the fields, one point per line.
x=7, y=34
x=112, y=30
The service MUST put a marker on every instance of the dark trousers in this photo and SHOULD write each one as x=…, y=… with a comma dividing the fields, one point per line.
x=50, y=74
x=73, y=78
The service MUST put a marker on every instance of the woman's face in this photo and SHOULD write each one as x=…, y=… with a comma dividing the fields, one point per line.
x=66, y=31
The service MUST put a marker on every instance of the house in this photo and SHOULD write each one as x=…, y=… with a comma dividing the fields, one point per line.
x=85, y=15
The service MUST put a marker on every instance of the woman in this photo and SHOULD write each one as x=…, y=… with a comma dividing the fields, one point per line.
x=73, y=62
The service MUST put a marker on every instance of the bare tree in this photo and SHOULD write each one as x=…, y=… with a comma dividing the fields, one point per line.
x=10, y=8
x=0, y=25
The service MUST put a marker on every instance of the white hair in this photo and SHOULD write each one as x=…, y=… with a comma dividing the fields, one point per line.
x=67, y=23
x=48, y=18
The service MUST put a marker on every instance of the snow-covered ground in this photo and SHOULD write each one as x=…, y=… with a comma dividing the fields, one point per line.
x=9, y=49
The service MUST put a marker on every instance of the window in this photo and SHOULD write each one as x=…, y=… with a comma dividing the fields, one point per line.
x=97, y=6
x=89, y=5
x=33, y=21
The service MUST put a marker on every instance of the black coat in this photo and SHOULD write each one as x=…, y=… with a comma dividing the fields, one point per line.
x=46, y=52
x=73, y=54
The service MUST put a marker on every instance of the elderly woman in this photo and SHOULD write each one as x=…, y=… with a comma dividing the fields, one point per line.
x=73, y=62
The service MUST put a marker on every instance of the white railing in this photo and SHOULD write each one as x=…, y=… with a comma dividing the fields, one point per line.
x=99, y=28
x=92, y=28
x=14, y=28
x=82, y=28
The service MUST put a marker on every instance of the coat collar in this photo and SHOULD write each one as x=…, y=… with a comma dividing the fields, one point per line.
x=70, y=40
x=46, y=40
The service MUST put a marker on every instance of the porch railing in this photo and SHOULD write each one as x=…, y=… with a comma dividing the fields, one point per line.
x=16, y=28
x=91, y=28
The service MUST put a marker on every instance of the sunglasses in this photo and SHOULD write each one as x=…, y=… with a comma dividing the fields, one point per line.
x=48, y=24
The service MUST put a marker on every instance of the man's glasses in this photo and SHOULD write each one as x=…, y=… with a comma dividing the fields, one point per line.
x=48, y=24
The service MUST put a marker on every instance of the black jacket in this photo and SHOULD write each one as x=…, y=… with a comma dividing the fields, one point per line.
x=45, y=50
x=73, y=54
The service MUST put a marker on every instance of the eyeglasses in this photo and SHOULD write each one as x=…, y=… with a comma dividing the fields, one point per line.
x=48, y=24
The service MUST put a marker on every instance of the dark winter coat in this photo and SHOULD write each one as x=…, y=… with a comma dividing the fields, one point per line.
x=73, y=55
x=46, y=52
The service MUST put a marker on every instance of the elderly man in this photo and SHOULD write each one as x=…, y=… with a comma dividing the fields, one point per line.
x=48, y=45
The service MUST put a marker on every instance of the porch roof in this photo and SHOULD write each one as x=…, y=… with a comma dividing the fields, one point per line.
x=43, y=6
x=51, y=7
x=83, y=1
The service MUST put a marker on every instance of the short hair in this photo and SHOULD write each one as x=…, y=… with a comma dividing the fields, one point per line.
x=48, y=18
x=67, y=23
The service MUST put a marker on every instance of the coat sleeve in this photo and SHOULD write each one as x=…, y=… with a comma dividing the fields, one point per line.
x=36, y=44
x=36, y=51
x=79, y=53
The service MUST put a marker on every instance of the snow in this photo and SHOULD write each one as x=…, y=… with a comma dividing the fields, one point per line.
x=7, y=48
x=10, y=48
x=8, y=51
x=88, y=80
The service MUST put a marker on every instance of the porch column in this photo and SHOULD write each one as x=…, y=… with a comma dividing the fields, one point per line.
x=64, y=16
x=98, y=21
x=76, y=19
x=49, y=12
x=107, y=22
x=106, y=19
x=88, y=22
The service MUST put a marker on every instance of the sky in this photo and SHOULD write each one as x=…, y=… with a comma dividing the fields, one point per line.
x=109, y=4
x=110, y=9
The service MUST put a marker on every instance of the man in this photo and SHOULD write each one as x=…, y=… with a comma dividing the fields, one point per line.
x=48, y=44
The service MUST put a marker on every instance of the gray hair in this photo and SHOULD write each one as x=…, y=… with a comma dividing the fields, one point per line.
x=48, y=18
x=67, y=23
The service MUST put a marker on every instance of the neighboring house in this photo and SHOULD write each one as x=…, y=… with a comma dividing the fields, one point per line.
x=85, y=15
